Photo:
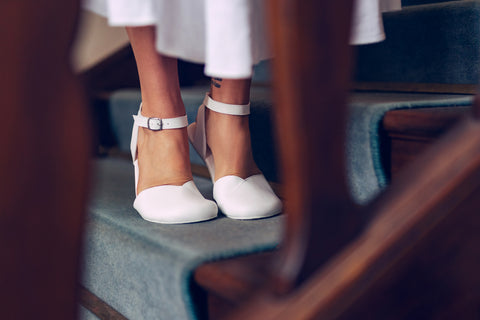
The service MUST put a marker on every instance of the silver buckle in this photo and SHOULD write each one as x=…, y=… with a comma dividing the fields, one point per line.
x=156, y=125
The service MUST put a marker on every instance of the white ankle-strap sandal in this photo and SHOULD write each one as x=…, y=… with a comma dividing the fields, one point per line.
x=168, y=204
x=237, y=198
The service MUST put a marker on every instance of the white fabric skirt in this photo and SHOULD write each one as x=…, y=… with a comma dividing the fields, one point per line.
x=367, y=25
x=229, y=36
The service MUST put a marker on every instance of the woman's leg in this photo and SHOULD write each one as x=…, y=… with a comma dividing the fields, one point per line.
x=228, y=136
x=163, y=156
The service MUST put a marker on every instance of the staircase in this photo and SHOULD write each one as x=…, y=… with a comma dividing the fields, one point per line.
x=409, y=95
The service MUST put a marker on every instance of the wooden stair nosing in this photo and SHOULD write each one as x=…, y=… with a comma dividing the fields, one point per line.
x=423, y=122
x=411, y=131
x=97, y=306
x=235, y=279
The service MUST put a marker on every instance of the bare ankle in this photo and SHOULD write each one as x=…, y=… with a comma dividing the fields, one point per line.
x=163, y=158
x=230, y=91
x=228, y=137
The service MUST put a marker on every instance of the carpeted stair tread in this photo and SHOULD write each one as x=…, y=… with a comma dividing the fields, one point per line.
x=364, y=164
x=434, y=43
x=143, y=269
x=366, y=174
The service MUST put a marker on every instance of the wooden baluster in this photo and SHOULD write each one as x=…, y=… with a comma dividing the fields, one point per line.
x=312, y=72
x=44, y=164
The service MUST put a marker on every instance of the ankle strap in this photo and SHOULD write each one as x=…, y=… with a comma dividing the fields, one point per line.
x=157, y=124
x=220, y=107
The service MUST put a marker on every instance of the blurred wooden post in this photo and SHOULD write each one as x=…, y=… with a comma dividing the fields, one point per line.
x=312, y=72
x=44, y=142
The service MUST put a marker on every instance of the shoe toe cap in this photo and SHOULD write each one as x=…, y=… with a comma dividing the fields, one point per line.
x=174, y=204
x=250, y=198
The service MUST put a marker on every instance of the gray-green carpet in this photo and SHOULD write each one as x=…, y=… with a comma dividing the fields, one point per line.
x=366, y=174
x=143, y=269
x=432, y=43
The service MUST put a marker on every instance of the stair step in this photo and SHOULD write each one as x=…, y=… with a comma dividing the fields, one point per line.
x=368, y=170
x=229, y=283
x=431, y=46
x=142, y=269
x=435, y=43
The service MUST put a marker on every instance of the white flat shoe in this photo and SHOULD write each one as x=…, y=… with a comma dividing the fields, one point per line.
x=237, y=198
x=168, y=204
